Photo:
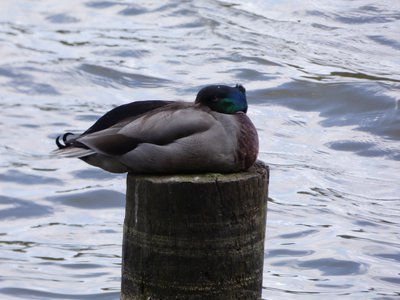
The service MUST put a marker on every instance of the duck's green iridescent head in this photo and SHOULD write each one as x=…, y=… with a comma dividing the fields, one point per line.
x=223, y=98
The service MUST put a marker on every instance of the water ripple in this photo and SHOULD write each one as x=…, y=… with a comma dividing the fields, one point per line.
x=322, y=82
x=11, y=208
x=108, y=76
x=19, y=177
x=38, y=294
x=94, y=199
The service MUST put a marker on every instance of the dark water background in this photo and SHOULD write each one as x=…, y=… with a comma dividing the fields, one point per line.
x=323, y=82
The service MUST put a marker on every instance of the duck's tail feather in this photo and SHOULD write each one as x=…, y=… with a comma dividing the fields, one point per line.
x=62, y=141
x=73, y=152
x=69, y=147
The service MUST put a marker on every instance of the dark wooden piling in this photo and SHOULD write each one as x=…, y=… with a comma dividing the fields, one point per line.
x=195, y=236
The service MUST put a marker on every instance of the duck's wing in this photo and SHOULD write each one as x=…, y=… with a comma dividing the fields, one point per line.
x=117, y=117
x=160, y=127
x=125, y=113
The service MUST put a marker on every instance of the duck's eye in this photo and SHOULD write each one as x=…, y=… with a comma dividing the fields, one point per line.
x=215, y=99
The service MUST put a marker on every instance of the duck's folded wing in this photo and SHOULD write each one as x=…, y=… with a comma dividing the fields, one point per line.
x=125, y=113
x=160, y=128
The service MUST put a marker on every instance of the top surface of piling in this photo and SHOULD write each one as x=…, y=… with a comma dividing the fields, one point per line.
x=259, y=168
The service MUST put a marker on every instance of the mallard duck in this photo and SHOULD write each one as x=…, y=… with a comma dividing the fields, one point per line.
x=213, y=134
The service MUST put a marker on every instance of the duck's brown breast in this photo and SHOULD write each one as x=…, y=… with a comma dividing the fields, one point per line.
x=247, y=150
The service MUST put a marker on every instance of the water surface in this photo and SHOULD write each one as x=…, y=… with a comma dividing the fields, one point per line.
x=323, y=87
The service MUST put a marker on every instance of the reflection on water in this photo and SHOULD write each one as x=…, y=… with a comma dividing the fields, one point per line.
x=323, y=85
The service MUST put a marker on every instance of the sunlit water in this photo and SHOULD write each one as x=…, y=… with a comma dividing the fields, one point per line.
x=323, y=82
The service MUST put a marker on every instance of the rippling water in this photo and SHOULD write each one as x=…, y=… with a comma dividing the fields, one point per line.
x=323, y=82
